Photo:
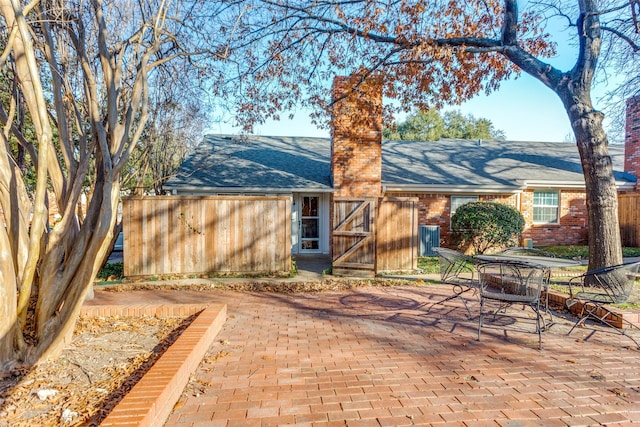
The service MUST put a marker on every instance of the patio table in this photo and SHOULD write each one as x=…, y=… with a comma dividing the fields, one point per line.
x=543, y=262
x=547, y=263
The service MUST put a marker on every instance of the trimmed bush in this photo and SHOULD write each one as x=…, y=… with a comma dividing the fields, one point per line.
x=486, y=225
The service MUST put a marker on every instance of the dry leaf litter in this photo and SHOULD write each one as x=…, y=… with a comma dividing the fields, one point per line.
x=107, y=356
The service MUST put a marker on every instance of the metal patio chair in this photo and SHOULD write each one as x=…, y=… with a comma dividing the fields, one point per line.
x=596, y=289
x=508, y=283
x=458, y=270
x=526, y=252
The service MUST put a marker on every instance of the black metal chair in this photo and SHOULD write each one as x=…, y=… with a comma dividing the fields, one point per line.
x=508, y=283
x=596, y=289
x=458, y=270
x=525, y=252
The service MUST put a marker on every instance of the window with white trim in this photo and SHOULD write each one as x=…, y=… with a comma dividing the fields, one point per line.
x=457, y=201
x=545, y=207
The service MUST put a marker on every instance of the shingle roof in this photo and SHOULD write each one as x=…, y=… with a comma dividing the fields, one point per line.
x=449, y=162
x=225, y=163
x=222, y=163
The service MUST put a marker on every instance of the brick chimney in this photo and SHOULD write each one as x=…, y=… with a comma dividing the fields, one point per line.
x=356, y=138
x=632, y=137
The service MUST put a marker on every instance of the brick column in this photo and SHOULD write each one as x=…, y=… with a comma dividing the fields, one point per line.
x=356, y=139
x=632, y=137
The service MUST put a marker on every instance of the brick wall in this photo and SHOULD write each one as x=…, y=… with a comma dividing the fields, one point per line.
x=572, y=228
x=356, y=140
x=632, y=137
x=435, y=209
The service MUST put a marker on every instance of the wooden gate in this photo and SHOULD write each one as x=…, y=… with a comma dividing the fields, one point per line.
x=397, y=234
x=354, y=243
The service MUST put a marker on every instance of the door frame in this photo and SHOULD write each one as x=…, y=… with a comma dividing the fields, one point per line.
x=323, y=223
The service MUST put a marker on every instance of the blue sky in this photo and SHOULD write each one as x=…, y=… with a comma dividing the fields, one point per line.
x=523, y=108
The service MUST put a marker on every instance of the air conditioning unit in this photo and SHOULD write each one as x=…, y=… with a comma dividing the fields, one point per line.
x=429, y=239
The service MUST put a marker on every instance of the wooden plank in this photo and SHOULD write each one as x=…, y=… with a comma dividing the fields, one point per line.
x=285, y=225
x=148, y=240
x=628, y=211
x=356, y=265
x=211, y=220
x=162, y=217
x=354, y=234
x=224, y=244
x=131, y=227
x=355, y=272
x=361, y=206
x=181, y=235
x=397, y=234
x=175, y=228
x=359, y=245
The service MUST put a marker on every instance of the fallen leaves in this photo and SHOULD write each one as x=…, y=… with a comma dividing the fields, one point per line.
x=274, y=285
x=107, y=357
x=596, y=375
x=619, y=392
x=219, y=355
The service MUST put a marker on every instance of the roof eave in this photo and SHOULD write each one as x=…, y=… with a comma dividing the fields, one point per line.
x=448, y=188
x=620, y=185
x=494, y=189
x=235, y=190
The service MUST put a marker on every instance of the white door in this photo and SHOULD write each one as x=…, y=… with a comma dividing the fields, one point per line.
x=309, y=223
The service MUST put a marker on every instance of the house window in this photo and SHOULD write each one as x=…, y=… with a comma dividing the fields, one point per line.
x=545, y=207
x=457, y=201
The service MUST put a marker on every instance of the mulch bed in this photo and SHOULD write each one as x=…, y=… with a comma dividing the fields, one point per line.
x=107, y=356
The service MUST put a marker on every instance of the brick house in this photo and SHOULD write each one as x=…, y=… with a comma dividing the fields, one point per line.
x=542, y=180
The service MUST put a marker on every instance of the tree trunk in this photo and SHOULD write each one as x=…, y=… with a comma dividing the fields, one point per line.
x=605, y=246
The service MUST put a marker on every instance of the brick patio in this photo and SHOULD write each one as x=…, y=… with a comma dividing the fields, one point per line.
x=378, y=356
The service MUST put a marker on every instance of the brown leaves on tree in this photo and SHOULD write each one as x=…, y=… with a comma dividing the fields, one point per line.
x=423, y=53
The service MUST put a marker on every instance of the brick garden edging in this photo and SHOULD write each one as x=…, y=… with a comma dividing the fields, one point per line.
x=151, y=400
x=617, y=315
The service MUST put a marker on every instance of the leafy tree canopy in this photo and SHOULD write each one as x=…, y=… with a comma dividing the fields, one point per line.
x=426, y=54
x=430, y=125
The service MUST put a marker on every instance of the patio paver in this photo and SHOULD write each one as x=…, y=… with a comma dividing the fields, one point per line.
x=376, y=356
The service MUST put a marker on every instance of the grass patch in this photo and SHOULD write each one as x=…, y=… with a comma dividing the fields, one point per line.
x=582, y=252
x=428, y=264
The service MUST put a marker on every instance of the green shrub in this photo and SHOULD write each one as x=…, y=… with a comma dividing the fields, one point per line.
x=110, y=271
x=486, y=225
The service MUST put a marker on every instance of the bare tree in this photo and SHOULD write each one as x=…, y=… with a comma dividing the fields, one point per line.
x=433, y=52
x=178, y=115
x=83, y=70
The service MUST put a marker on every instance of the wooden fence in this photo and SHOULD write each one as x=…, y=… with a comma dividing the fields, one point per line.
x=209, y=234
x=629, y=218
x=397, y=234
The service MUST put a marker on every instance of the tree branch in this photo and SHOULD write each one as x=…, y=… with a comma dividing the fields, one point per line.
x=621, y=35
